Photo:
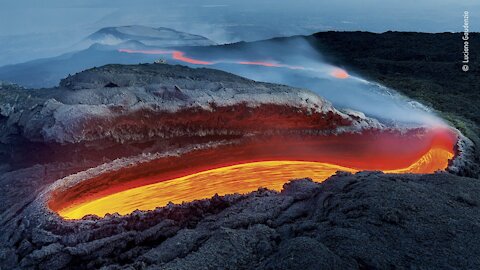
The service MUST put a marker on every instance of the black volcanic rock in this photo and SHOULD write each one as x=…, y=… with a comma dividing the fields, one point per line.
x=9, y=86
x=365, y=221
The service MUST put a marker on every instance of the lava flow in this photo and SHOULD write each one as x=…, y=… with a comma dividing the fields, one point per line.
x=255, y=162
x=177, y=55
x=339, y=73
x=180, y=56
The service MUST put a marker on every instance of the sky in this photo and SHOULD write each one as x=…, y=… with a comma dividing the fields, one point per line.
x=33, y=28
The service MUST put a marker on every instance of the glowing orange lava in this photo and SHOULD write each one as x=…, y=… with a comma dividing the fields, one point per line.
x=241, y=168
x=177, y=55
x=180, y=56
x=339, y=73
x=241, y=178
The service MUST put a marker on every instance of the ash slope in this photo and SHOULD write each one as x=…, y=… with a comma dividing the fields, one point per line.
x=363, y=221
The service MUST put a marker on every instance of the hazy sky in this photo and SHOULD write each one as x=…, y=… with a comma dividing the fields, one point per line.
x=53, y=25
x=33, y=16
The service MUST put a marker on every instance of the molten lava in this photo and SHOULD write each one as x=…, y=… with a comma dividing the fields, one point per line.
x=180, y=56
x=339, y=73
x=177, y=55
x=241, y=178
x=254, y=163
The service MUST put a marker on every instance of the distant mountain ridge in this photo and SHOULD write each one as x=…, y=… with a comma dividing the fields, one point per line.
x=98, y=49
x=150, y=36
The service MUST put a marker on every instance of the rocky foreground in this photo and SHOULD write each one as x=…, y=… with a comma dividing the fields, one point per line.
x=365, y=221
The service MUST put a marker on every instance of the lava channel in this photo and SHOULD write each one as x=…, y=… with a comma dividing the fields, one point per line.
x=243, y=167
